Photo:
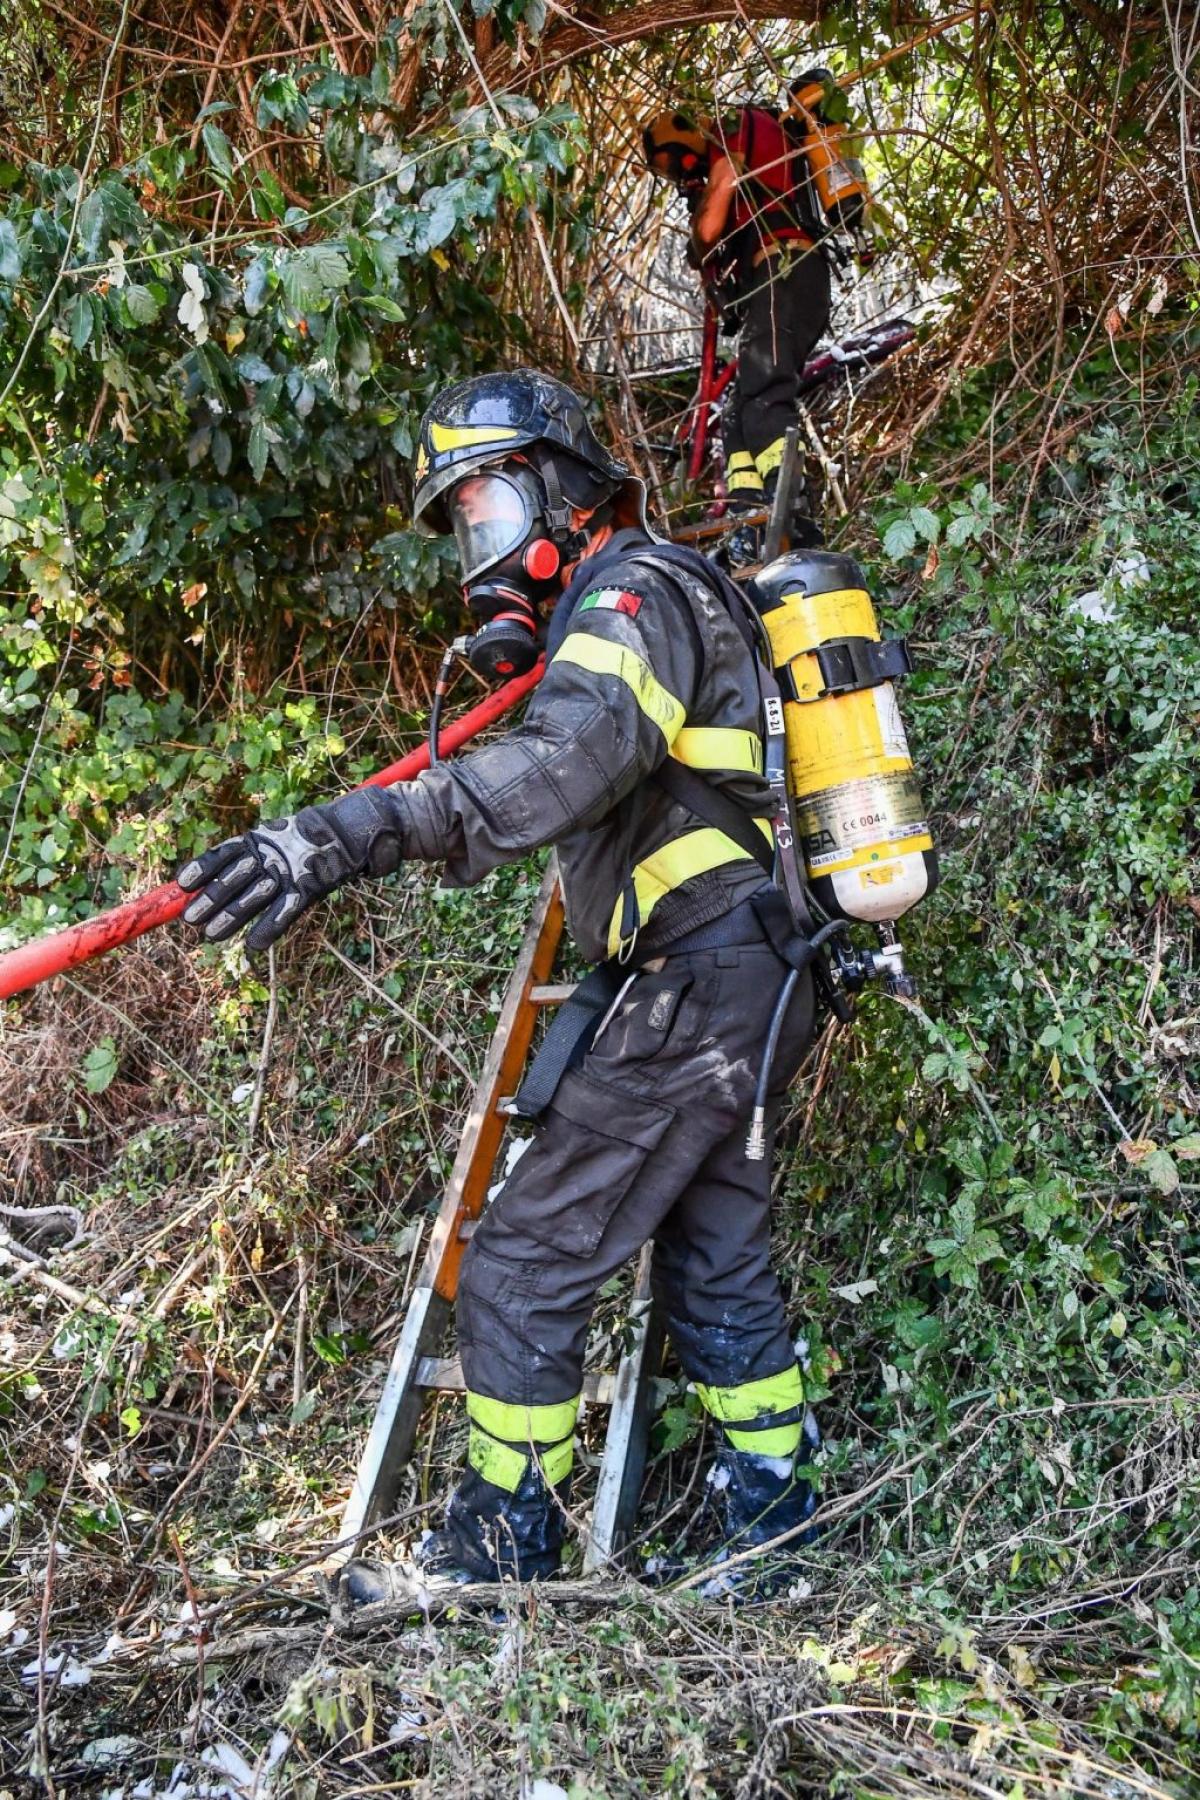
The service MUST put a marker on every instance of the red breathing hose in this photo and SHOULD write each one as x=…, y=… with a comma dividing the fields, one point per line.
x=58, y=950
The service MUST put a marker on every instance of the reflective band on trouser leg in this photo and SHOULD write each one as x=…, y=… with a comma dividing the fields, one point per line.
x=763, y=1416
x=600, y=656
x=695, y=853
x=741, y=476
x=505, y=1435
x=768, y=460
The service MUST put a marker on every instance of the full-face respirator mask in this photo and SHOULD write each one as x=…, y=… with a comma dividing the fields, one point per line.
x=511, y=557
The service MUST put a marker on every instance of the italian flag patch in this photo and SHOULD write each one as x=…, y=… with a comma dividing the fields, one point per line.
x=612, y=600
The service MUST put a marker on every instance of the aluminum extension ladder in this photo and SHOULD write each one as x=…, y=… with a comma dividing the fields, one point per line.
x=419, y=1369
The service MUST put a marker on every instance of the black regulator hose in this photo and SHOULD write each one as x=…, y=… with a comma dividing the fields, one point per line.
x=440, y=687
x=756, y=1139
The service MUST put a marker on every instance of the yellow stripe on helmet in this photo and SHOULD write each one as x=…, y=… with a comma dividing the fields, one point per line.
x=458, y=437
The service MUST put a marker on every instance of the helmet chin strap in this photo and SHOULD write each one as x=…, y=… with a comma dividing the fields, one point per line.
x=597, y=538
x=571, y=540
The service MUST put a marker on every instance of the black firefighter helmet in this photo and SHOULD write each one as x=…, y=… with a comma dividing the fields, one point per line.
x=487, y=419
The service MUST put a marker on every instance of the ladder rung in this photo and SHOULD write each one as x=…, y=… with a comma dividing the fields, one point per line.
x=444, y=1373
x=553, y=995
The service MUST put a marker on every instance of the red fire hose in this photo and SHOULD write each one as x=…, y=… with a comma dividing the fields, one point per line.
x=59, y=950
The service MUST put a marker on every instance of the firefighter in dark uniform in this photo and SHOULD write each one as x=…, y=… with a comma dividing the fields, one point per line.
x=760, y=241
x=645, y=1135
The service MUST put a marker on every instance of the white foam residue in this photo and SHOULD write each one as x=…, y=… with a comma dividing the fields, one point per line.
x=512, y=1156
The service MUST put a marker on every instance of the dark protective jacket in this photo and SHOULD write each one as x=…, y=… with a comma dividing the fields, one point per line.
x=642, y=665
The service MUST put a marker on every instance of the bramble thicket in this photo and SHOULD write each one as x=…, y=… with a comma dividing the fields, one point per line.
x=240, y=249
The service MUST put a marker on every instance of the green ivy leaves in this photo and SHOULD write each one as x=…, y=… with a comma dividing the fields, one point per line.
x=100, y=1066
x=141, y=305
x=954, y=526
x=220, y=150
x=963, y=1250
x=309, y=276
x=221, y=390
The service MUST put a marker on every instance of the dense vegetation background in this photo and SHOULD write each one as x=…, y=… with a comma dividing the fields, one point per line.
x=239, y=249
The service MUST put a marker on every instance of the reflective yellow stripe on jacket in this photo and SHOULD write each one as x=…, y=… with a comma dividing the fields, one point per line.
x=600, y=656
x=709, y=747
x=695, y=853
x=716, y=747
x=698, y=852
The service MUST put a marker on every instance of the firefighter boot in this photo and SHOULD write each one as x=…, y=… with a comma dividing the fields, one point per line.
x=808, y=507
x=759, y=1498
x=492, y=1534
x=489, y=1535
x=742, y=547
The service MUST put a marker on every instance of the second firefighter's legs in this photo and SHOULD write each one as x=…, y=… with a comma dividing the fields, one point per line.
x=787, y=311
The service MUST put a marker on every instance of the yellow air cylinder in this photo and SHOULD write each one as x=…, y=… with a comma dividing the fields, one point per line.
x=859, y=817
x=837, y=177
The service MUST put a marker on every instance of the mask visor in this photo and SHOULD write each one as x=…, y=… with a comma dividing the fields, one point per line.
x=490, y=517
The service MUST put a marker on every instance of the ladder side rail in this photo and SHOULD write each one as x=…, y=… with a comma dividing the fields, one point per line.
x=619, y=1485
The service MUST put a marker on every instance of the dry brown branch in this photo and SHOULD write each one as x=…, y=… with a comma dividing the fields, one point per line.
x=591, y=32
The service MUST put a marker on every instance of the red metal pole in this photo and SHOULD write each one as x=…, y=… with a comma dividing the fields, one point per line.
x=704, y=393
x=46, y=956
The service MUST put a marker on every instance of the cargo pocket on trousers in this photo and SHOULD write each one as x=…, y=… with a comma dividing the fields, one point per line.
x=596, y=1141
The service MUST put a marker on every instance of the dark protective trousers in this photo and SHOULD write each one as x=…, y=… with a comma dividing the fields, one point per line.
x=786, y=312
x=646, y=1138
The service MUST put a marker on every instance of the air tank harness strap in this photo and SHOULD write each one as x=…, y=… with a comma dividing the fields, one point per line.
x=567, y=1041
x=849, y=665
x=774, y=915
x=708, y=802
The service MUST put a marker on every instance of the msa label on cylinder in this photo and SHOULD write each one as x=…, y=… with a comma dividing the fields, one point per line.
x=857, y=815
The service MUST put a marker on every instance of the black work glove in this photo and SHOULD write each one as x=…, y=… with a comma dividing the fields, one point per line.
x=279, y=868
